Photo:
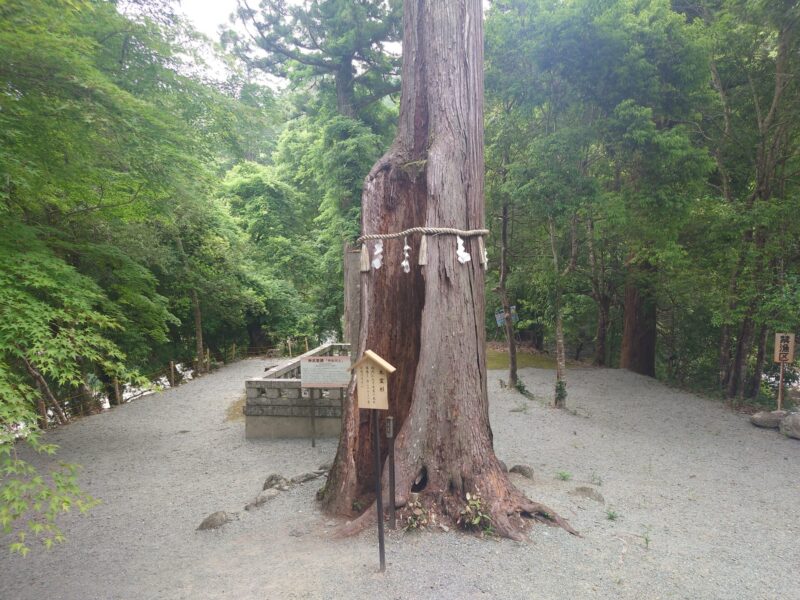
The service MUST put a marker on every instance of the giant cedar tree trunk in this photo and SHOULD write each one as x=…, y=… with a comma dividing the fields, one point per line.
x=638, y=353
x=430, y=323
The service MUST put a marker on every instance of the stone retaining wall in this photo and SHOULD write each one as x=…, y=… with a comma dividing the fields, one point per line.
x=277, y=406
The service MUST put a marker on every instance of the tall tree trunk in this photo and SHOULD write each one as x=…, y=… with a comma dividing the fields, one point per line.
x=755, y=381
x=41, y=409
x=345, y=91
x=430, y=323
x=601, y=334
x=599, y=295
x=738, y=374
x=509, y=322
x=41, y=383
x=638, y=353
x=724, y=357
x=560, y=395
x=198, y=331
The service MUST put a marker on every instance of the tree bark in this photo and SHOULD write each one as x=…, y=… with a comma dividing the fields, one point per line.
x=508, y=321
x=638, y=352
x=41, y=383
x=755, y=381
x=198, y=331
x=599, y=294
x=738, y=374
x=560, y=396
x=601, y=334
x=429, y=323
x=345, y=90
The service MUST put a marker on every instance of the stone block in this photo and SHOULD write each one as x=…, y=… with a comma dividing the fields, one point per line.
x=290, y=392
x=272, y=392
x=290, y=427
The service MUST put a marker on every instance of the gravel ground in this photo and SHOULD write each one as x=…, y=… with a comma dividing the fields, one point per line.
x=707, y=506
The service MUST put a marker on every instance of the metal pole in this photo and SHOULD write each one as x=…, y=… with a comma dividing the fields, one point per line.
x=390, y=436
x=378, y=495
x=780, y=387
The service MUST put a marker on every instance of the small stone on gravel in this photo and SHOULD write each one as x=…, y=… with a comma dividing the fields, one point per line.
x=262, y=498
x=325, y=466
x=303, y=477
x=588, y=492
x=274, y=481
x=524, y=470
x=215, y=520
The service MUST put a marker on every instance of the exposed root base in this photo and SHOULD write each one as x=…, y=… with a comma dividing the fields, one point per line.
x=510, y=522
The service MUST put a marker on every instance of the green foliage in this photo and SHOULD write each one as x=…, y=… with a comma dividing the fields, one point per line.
x=336, y=44
x=564, y=475
x=561, y=393
x=475, y=515
x=634, y=128
x=30, y=503
x=109, y=147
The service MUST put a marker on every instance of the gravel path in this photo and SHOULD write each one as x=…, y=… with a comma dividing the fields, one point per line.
x=707, y=506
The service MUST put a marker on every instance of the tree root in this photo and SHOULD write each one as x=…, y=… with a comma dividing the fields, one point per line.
x=506, y=522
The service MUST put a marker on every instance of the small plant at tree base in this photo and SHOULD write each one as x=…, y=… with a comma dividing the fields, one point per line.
x=561, y=393
x=475, y=516
x=520, y=387
x=564, y=475
x=417, y=515
x=646, y=537
x=612, y=515
x=357, y=506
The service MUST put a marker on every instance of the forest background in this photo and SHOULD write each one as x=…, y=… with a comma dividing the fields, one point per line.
x=161, y=196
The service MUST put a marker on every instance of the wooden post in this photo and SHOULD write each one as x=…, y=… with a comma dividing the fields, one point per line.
x=117, y=392
x=172, y=373
x=289, y=344
x=233, y=358
x=780, y=387
x=208, y=360
x=306, y=338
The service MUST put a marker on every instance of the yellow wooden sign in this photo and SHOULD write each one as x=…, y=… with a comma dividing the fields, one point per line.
x=784, y=347
x=372, y=381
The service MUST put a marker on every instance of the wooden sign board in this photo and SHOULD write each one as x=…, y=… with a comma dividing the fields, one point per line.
x=325, y=372
x=784, y=347
x=372, y=381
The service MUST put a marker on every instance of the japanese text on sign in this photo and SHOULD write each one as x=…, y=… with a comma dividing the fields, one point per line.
x=372, y=381
x=325, y=371
x=784, y=347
